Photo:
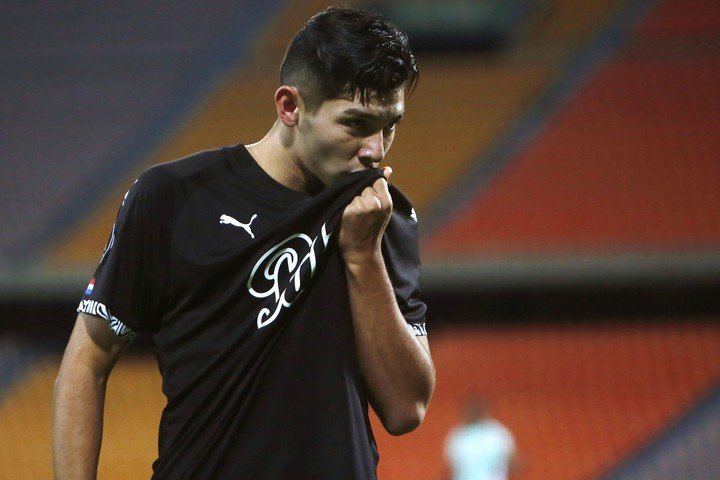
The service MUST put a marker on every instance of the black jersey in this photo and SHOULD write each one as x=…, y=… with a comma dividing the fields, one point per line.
x=241, y=285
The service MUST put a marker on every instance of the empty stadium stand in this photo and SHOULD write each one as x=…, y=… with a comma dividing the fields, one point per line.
x=579, y=398
x=627, y=166
x=88, y=90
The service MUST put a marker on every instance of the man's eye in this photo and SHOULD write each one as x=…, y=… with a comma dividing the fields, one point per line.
x=357, y=123
x=391, y=128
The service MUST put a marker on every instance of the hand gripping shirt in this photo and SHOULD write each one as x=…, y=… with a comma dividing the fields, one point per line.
x=242, y=287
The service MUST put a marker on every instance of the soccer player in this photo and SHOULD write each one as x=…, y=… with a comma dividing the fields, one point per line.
x=481, y=448
x=278, y=280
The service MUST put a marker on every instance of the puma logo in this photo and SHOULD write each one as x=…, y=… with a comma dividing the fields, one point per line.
x=228, y=220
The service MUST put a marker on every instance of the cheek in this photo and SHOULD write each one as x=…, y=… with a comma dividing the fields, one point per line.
x=324, y=138
x=328, y=148
x=338, y=145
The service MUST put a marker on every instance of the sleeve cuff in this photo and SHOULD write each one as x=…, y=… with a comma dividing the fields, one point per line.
x=97, y=309
x=418, y=329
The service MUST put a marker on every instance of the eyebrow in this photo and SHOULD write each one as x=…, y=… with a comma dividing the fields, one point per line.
x=365, y=114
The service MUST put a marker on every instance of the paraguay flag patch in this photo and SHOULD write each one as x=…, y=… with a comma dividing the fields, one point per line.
x=90, y=287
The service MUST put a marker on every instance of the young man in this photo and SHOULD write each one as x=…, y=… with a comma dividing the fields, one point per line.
x=481, y=448
x=279, y=282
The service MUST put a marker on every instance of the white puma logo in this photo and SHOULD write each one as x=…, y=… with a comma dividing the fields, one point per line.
x=227, y=219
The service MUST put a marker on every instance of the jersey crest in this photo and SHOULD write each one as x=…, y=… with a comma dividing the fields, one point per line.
x=282, y=273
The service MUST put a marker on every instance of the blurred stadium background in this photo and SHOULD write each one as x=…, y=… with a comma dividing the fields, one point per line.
x=563, y=159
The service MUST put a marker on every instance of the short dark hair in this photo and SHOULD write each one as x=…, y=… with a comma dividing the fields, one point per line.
x=347, y=52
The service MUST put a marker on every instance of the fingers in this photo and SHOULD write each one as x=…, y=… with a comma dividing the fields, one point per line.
x=371, y=198
x=365, y=218
x=376, y=196
x=380, y=188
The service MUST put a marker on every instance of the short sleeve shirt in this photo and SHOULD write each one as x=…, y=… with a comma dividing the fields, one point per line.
x=240, y=283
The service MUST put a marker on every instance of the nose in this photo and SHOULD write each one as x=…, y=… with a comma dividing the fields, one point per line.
x=372, y=150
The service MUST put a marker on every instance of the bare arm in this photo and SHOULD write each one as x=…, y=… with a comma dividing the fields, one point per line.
x=90, y=355
x=396, y=365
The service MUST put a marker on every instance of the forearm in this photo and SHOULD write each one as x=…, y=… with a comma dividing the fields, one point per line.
x=77, y=422
x=91, y=353
x=397, y=368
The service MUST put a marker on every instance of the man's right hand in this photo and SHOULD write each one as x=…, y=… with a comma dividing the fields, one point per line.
x=364, y=221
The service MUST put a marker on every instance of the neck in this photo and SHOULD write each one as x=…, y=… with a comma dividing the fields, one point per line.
x=275, y=154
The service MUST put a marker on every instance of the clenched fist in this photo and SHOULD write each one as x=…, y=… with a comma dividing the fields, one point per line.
x=364, y=221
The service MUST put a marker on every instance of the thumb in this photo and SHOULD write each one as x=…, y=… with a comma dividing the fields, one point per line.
x=387, y=171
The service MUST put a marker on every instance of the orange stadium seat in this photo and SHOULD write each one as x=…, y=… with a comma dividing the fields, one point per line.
x=630, y=164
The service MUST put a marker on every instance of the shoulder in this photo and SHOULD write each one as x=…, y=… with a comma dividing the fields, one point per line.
x=500, y=430
x=456, y=438
x=199, y=164
x=403, y=221
x=402, y=204
x=181, y=175
x=401, y=234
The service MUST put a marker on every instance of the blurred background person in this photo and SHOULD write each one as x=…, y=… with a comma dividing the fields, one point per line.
x=480, y=448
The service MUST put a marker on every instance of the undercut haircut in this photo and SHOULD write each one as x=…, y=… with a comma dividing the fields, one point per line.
x=348, y=53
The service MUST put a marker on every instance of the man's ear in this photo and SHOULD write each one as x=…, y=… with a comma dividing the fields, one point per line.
x=287, y=100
